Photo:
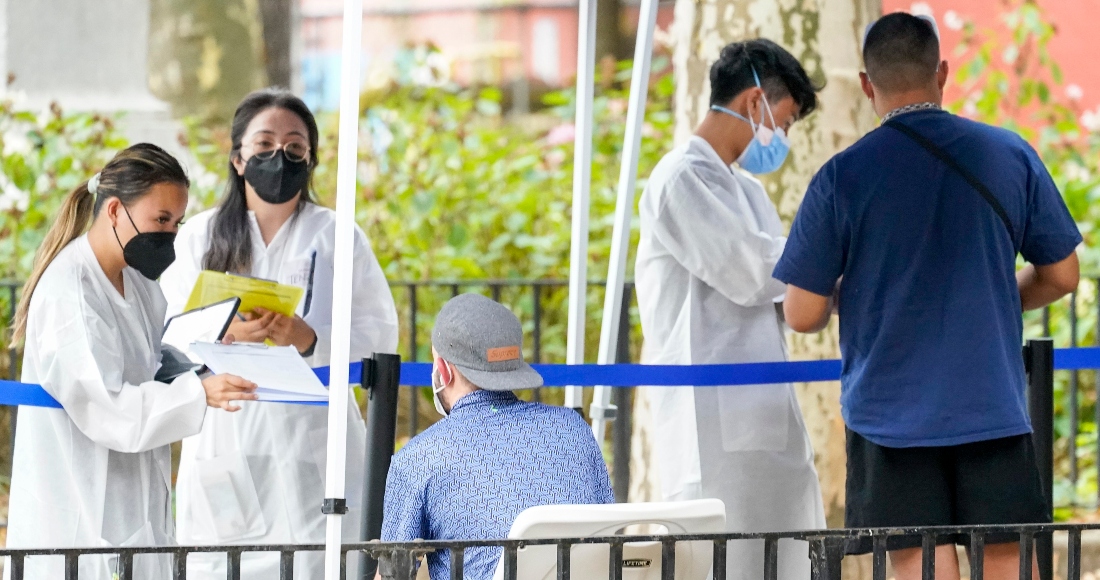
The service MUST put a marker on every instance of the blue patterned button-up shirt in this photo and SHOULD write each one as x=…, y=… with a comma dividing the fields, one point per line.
x=468, y=476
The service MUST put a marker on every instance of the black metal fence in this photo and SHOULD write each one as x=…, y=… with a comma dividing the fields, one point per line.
x=398, y=561
x=1074, y=389
x=827, y=548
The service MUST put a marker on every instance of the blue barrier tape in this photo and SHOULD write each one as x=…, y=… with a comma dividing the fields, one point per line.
x=631, y=375
x=1069, y=359
x=13, y=393
x=617, y=375
x=355, y=372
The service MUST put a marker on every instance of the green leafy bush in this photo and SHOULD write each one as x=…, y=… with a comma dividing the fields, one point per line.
x=452, y=188
x=43, y=156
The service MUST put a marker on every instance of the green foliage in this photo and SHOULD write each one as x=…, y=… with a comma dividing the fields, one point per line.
x=43, y=156
x=1009, y=79
x=451, y=188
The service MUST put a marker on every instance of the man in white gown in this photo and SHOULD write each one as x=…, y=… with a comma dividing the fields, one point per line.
x=710, y=238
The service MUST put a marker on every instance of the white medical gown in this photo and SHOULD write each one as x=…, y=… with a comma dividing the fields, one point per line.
x=257, y=476
x=710, y=238
x=97, y=473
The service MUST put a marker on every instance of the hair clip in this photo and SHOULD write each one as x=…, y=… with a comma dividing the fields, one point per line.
x=93, y=184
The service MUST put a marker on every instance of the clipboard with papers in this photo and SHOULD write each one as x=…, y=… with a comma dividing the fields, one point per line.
x=280, y=373
x=206, y=324
x=212, y=287
x=209, y=324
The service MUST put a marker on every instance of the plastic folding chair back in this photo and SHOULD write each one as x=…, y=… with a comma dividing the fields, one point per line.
x=641, y=560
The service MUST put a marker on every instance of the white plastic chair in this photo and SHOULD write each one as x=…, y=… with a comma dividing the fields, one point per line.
x=641, y=560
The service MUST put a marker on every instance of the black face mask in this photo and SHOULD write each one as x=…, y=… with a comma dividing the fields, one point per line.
x=276, y=180
x=149, y=253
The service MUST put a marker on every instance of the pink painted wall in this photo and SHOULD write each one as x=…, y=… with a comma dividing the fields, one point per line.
x=537, y=38
x=1075, y=47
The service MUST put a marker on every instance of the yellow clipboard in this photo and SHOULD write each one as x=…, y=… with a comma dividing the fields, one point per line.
x=212, y=287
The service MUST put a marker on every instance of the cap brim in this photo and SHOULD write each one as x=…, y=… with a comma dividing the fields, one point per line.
x=522, y=378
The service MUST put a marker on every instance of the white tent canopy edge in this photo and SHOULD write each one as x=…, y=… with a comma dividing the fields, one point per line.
x=347, y=161
x=345, y=208
x=582, y=181
x=601, y=409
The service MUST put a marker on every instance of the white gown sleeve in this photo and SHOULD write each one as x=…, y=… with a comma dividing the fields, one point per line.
x=373, y=314
x=80, y=364
x=178, y=280
x=719, y=243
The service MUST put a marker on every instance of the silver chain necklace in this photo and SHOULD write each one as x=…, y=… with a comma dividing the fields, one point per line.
x=909, y=109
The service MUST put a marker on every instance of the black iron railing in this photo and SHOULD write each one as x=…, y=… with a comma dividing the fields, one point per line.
x=398, y=561
x=1073, y=400
x=827, y=550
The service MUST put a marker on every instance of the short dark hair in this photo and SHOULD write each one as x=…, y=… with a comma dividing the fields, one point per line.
x=781, y=75
x=901, y=53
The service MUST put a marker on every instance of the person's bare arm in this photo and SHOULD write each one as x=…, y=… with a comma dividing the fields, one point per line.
x=1041, y=285
x=806, y=311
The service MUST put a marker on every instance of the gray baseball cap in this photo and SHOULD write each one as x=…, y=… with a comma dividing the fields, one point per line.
x=485, y=341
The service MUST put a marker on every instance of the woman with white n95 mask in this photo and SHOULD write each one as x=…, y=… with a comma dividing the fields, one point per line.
x=268, y=226
x=96, y=472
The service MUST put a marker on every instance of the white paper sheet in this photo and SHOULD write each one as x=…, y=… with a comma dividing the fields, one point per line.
x=279, y=372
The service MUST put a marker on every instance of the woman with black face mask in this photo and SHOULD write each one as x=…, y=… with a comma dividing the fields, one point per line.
x=96, y=472
x=273, y=455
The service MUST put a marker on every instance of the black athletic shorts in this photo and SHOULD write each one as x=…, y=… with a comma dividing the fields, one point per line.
x=987, y=482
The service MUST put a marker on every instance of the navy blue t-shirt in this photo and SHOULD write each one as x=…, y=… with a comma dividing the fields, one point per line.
x=930, y=322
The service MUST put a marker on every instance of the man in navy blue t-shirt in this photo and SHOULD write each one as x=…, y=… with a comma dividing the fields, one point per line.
x=914, y=230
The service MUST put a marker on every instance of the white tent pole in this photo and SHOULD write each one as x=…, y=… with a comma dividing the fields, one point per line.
x=602, y=409
x=582, y=179
x=347, y=159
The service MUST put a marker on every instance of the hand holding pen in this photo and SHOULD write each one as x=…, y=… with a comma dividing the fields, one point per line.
x=289, y=331
x=252, y=326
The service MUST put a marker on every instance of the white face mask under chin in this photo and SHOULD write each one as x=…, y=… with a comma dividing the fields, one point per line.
x=437, y=387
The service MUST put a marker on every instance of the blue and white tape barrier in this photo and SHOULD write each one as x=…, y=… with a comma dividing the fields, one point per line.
x=617, y=375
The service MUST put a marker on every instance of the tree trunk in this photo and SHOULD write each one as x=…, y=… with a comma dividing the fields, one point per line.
x=278, y=31
x=609, y=30
x=825, y=36
x=204, y=55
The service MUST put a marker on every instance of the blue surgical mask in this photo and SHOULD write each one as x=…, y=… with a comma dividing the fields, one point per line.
x=768, y=148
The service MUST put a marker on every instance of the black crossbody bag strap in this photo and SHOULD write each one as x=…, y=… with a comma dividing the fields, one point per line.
x=964, y=172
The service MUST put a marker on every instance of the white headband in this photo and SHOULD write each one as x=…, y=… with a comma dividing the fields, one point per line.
x=93, y=184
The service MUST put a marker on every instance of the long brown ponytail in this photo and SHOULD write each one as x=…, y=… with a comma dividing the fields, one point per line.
x=72, y=220
x=128, y=176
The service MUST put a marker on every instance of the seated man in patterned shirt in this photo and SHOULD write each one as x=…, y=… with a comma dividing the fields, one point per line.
x=492, y=456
